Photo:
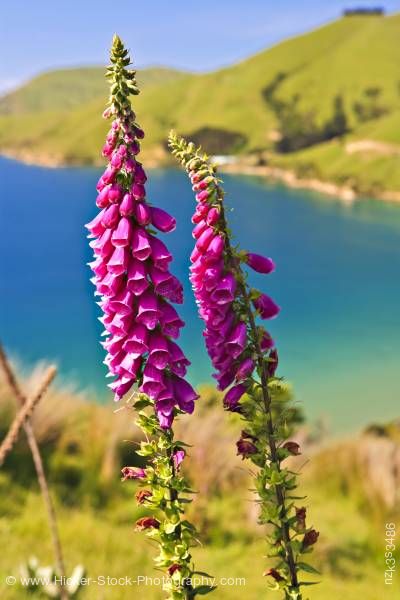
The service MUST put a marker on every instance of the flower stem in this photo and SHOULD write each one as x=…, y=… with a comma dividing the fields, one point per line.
x=174, y=498
x=279, y=491
x=245, y=359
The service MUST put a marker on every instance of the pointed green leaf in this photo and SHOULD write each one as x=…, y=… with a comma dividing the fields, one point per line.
x=202, y=590
x=307, y=568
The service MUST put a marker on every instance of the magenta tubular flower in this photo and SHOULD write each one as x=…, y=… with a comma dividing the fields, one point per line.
x=119, y=261
x=131, y=269
x=148, y=312
x=153, y=381
x=224, y=291
x=179, y=456
x=137, y=281
x=127, y=208
x=266, y=343
x=170, y=320
x=133, y=473
x=237, y=340
x=160, y=255
x=162, y=220
x=96, y=226
x=245, y=369
x=217, y=281
x=261, y=264
x=136, y=342
x=179, y=362
x=266, y=307
x=231, y=400
x=141, y=249
x=184, y=394
x=122, y=304
x=142, y=213
x=159, y=351
x=111, y=216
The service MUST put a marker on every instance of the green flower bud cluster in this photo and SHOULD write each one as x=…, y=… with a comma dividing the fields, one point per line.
x=122, y=79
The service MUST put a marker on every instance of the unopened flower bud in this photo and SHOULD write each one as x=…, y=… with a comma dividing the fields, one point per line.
x=147, y=523
x=310, y=538
x=274, y=574
x=292, y=447
x=142, y=496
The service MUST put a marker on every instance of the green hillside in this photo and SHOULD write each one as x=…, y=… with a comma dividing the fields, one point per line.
x=66, y=89
x=316, y=93
x=348, y=486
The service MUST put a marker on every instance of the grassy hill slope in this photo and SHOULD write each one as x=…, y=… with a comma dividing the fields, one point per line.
x=229, y=111
x=349, y=488
x=66, y=89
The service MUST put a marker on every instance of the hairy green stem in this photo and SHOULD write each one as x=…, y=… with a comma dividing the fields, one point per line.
x=174, y=497
x=280, y=495
x=264, y=428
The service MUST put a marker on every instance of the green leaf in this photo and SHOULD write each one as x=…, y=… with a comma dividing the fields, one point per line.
x=170, y=527
x=296, y=546
x=254, y=294
x=183, y=444
x=202, y=590
x=172, y=514
x=146, y=449
x=277, y=478
x=164, y=471
x=141, y=404
x=307, y=568
x=188, y=525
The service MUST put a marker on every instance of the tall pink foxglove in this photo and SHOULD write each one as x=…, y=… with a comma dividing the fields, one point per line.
x=136, y=294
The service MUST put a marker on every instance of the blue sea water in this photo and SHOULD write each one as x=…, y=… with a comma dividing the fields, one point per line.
x=337, y=281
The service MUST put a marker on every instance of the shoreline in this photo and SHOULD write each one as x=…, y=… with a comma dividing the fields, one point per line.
x=290, y=179
x=51, y=161
x=286, y=176
x=47, y=161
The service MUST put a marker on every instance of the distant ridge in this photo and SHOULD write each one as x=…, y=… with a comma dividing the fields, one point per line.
x=65, y=89
x=327, y=89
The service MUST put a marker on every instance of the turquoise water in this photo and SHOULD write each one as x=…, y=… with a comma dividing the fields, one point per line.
x=337, y=281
